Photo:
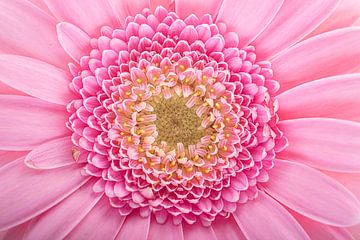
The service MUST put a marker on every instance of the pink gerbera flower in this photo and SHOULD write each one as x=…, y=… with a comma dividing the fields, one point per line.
x=162, y=119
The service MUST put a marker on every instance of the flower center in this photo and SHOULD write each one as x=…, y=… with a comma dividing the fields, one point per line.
x=176, y=123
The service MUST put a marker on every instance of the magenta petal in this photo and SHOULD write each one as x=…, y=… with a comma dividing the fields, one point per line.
x=264, y=218
x=22, y=187
x=36, y=78
x=227, y=229
x=323, y=143
x=332, y=53
x=53, y=154
x=197, y=231
x=339, y=98
x=27, y=122
x=62, y=218
x=248, y=18
x=134, y=227
x=167, y=231
x=311, y=193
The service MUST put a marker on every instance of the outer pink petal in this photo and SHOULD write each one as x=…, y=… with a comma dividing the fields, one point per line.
x=313, y=194
x=198, y=7
x=325, y=55
x=15, y=233
x=323, y=143
x=9, y=156
x=40, y=4
x=167, y=231
x=25, y=192
x=264, y=218
x=28, y=31
x=168, y=4
x=102, y=222
x=248, y=17
x=53, y=154
x=125, y=8
x=347, y=12
x=6, y=89
x=89, y=15
x=61, y=219
x=27, y=122
x=134, y=227
x=319, y=231
x=197, y=231
x=36, y=78
x=334, y=97
x=74, y=41
x=295, y=20
x=227, y=229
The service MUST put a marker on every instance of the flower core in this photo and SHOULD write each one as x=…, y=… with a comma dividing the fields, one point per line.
x=173, y=119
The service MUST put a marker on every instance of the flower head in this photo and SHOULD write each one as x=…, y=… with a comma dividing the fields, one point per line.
x=179, y=119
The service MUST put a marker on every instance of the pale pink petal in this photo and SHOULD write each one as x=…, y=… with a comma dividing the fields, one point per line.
x=36, y=78
x=40, y=4
x=134, y=227
x=74, y=41
x=264, y=218
x=168, y=231
x=126, y=8
x=312, y=194
x=332, y=53
x=319, y=231
x=167, y=4
x=15, y=233
x=248, y=18
x=197, y=231
x=295, y=20
x=323, y=143
x=102, y=222
x=9, y=156
x=27, y=192
x=27, y=122
x=346, y=13
x=198, y=7
x=89, y=15
x=62, y=218
x=18, y=19
x=53, y=154
x=227, y=229
x=7, y=90
x=334, y=97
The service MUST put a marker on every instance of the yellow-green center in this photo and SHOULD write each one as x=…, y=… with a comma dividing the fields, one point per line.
x=176, y=123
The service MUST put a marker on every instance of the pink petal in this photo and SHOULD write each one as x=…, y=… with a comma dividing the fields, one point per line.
x=36, y=78
x=74, y=41
x=27, y=122
x=103, y=214
x=27, y=193
x=264, y=218
x=167, y=4
x=319, y=231
x=17, y=20
x=134, y=227
x=332, y=53
x=6, y=89
x=323, y=143
x=248, y=17
x=345, y=14
x=53, y=154
x=198, y=7
x=294, y=21
x=62, y=218
x=126, y=8
x=227, y=229
x=9, y=156
x=197, y=231
x=167, y=231
x=15, y=233
x=89, y=15
x=313, y=194
x=334, y=97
